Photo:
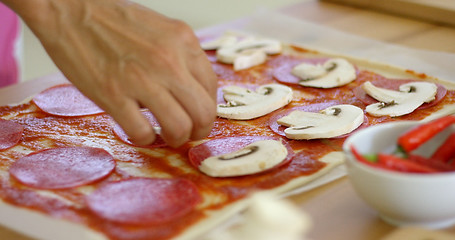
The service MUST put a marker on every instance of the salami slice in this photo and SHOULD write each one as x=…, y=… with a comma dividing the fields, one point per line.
x=395, y=85
x=65, y=100
x=10, y=133
x=316, y=107
x=159, y=142
x=65, y=167
x=144, y=201
x=225, y=145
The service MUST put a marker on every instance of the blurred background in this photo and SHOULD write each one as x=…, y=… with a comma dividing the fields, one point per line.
x=197, y=13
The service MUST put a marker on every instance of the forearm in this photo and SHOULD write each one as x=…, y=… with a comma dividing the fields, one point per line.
x=43, y=17
x=28, y=9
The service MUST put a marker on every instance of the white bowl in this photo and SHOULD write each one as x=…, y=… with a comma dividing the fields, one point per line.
x=426, y=200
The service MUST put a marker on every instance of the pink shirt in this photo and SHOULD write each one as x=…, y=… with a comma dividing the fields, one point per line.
x=9, y=34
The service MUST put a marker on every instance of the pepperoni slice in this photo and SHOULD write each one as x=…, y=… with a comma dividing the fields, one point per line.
x=316, y=107
x=60, y=168
x=225, y=145
x=10, y=134
x=395, y=85
x=159, y=142
x=144, y=201
x=65, y=100
x=283, y=73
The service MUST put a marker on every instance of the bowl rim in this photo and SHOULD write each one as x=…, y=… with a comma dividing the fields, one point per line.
x=389, y=173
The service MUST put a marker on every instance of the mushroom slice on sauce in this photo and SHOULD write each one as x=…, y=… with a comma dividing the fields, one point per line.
x=244, y=104
x=223, y=41
x=398, y=103
x=330, y=122
x=254, y=158
x=333, y=73
x=248, y=52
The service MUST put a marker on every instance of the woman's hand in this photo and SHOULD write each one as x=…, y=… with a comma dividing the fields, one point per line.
x=124, y=57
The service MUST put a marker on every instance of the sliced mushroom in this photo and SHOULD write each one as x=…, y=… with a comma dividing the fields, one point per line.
x=333, y=73
x=223, y=41
x=254, y=158
x=330, y=122
x=244, y=104
x=248, y=52
x=398, y=103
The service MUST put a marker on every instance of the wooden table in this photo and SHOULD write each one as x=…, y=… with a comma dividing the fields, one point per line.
x=336, y=211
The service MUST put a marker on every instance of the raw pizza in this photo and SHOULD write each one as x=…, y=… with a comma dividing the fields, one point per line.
x=283, y=115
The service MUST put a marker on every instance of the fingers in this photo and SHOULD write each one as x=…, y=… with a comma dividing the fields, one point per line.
x=127, y=114
x=201, y=68
x=184, y=106
x=199, y=105
x=202, y=71
x=202, y=87
x=176, y=125
x=192, y=85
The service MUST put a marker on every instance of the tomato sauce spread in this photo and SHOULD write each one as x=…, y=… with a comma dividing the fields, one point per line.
x=42, y=130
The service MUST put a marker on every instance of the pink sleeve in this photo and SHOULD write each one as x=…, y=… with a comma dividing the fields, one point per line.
x=9, y=35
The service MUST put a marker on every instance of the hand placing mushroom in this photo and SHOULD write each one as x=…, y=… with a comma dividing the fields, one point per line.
x=398, y=103
x=244, y=104
x=244, y=53
x=333, y=73
x=331, y=122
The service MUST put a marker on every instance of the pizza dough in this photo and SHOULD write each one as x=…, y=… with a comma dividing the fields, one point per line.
x=90, y=205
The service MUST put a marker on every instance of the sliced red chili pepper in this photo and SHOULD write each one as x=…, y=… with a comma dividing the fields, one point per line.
x=446, y=151
x=393, y=162
x=435, y=164
x=415, y=137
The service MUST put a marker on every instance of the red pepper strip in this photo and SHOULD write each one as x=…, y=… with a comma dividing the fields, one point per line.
x=395, y=163
x=419, y=135
x=446, y=151
x=438, y=165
